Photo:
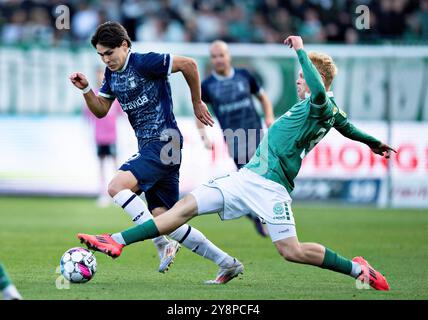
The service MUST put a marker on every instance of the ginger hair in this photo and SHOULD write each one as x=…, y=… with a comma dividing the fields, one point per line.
x=325, y=66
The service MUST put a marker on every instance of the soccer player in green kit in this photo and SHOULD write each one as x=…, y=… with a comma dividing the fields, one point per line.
x=263, y=185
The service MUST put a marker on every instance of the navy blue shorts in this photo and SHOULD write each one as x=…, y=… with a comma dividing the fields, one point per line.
x=157, y=173
x=104, y=150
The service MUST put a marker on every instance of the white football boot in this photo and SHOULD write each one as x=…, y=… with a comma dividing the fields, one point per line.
x=168, y=255
x=225, y=274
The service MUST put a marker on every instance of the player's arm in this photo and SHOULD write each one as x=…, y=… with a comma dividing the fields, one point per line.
x=201, y=127
x=267, y=108
x=261, y=96
x=311, y=74
x=348, y=130
x=189, y=68
x=99, y=106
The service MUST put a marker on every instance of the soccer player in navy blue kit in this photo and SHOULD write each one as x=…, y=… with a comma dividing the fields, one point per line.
x=140, y=83
x=229, y=91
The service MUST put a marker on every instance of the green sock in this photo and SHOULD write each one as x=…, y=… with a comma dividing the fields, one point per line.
x=336, y=262
x=147, y=230
x=4, y=278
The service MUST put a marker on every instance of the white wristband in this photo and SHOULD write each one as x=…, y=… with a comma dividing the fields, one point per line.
x=86, y=90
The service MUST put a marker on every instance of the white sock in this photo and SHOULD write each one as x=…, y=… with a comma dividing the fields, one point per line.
x=135, y=207
x=118, y=238
x=190, y=237
x=194, y=240
x=227, y=262
x=11, y=293
x=356, y=269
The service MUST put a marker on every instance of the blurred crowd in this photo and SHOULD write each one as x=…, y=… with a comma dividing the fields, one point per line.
x=254, y=21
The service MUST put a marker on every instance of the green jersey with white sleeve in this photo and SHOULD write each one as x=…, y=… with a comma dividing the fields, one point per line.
x=292, y=136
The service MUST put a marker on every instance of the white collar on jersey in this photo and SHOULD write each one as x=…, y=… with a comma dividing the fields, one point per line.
x=126, y=61
x=329, y=94
x=220, y=77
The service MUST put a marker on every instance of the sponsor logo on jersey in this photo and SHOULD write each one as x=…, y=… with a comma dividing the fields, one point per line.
x=140, y=101
x=228, y=107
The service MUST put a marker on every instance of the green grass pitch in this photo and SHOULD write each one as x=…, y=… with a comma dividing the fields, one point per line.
x=35, y=232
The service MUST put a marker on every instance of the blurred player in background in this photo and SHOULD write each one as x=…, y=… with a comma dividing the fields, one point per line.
x=105, y=133
x=7, y=287
x=140, y=84
x=229, y=91
x=264, y=184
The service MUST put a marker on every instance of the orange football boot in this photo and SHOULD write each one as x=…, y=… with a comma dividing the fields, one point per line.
x=103, y=243
x=369, y=275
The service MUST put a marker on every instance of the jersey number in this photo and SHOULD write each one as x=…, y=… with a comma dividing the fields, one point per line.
x=318, y=137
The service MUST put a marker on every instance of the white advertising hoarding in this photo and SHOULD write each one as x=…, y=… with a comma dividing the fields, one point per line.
x=34, y=80
x=341, y=158
x=56, y=155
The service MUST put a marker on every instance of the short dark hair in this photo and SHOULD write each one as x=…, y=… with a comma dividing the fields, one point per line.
x=110, y=34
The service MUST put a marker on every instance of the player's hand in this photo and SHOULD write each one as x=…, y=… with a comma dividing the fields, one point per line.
x=79, y=80
x=295, y=42
x=384, y=150
x=269, y=121
x=202, y=113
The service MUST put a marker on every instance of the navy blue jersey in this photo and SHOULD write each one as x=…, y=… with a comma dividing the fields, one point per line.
x=231, y=99
x=144, y=93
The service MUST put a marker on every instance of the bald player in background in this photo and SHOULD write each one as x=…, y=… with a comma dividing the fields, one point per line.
x=229, y=92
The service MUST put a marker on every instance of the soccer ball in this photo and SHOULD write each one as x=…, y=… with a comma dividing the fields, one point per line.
x=78, y=265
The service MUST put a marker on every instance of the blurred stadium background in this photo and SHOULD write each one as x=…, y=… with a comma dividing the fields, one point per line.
x=47, y=147
x=382, y=80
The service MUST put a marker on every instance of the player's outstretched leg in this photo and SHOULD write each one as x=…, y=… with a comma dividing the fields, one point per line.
x=315, y=254
x=184, y=235
x=182, y=211
x=230, y=267
x=112, y=244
